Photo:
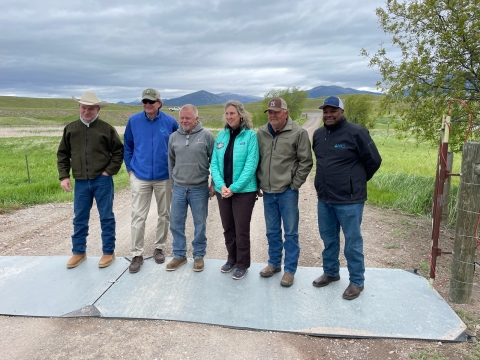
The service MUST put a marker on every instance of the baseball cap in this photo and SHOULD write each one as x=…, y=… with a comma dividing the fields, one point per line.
x=276, y=104
x=151, y=94
x=332, y=101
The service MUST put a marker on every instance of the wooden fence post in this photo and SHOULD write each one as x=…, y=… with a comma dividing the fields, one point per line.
x=463, y=257
x=28, y=170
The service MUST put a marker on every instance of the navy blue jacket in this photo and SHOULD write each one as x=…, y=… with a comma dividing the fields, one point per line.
x=346, y=159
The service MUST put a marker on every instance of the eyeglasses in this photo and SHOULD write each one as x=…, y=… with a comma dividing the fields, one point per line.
x=146, y=101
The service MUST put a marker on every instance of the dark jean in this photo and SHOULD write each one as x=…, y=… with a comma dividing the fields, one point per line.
x=282, y=208
x=197, y=198
x=236, y=214
x=101, y=189
x=349, y=217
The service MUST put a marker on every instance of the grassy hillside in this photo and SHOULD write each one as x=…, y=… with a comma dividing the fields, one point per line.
x=22, y=111
x=312, y=105
x=13, y=102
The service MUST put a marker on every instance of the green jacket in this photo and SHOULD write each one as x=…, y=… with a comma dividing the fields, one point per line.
x=285, y=160
x=89, y=150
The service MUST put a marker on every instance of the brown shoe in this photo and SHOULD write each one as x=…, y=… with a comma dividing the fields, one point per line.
x=135, y=265
x=269, y=270
x=324, y=280
x=175, y=263
x=198, y=265
x=75, y=260
x=287, y=280
x=352, y=292
x=159, y=256
x=106, y=260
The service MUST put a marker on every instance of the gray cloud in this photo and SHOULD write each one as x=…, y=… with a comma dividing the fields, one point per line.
x=57, y=48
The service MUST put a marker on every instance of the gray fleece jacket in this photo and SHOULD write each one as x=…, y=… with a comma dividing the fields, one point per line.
x=189, y=156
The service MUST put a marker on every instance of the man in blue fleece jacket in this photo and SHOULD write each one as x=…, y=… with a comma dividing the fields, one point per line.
x=146, y=159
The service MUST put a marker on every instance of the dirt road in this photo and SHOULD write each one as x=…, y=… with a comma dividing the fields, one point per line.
x=391, y=240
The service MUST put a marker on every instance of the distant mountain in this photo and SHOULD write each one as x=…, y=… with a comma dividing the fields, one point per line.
x=321, y=90
x=203, y=97
x=134, y=102
x=245, y=99
x=198, y=98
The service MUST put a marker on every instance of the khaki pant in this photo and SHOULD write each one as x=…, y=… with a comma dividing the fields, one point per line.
x=141, y=198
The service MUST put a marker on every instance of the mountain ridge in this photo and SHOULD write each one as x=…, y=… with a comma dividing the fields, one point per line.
x=203, y=97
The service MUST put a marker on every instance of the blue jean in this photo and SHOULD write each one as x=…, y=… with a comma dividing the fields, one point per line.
x=282, y=208
x=349, y=217
x=101, y=189
x=197, y=199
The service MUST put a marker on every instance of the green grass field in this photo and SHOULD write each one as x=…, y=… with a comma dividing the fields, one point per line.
x=405, y=181
x=16, y=190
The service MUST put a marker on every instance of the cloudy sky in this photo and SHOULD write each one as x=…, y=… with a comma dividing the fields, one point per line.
x=59, y=48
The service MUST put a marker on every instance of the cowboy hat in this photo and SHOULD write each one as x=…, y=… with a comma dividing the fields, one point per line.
x=89, y=98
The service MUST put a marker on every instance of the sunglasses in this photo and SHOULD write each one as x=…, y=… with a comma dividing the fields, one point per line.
x=145, y=101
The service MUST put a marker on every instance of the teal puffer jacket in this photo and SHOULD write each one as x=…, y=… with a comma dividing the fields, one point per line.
x=245, y=161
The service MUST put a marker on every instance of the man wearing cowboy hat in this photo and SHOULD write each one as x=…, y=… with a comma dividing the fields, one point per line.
x=92, y=149
x=146, y=159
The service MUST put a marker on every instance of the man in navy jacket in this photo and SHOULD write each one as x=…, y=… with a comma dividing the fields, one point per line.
x=346, y=159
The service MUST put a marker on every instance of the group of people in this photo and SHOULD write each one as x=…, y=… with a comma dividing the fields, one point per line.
x=176, y=160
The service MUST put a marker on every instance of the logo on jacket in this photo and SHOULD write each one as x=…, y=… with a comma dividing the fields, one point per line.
x=199, y=141
x=339, y=146
x=220, y=145
x=162, y=129
x=242, y=143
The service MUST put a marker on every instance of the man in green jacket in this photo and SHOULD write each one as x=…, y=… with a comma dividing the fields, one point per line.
x=92, y=149
x=285, y=162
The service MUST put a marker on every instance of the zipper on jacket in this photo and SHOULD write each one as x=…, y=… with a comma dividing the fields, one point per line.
x=274, y=146
x=351, y=188
x=152, y=146
x=86, y=151
x=325, y=164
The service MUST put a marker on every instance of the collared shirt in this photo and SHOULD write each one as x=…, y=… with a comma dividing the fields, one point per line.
x=88, y=122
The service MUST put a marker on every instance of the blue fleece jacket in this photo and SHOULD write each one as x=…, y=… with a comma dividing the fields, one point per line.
x=245, y=161
x=146, y=145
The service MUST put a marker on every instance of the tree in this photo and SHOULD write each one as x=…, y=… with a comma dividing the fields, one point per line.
x=360, y=109
x=439, y=42
x=294, y=97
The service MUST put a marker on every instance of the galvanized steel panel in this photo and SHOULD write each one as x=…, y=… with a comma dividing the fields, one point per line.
x=394, y=304
x=43, y=286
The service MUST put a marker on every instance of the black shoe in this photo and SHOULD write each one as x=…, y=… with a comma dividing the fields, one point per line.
x=227, y=267
x=352, y=292
x=159, y=256
x=135, y=265
x=239, y=274
x=324, y=280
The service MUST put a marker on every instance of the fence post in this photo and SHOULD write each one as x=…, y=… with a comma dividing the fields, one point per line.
x=446, y=189
x=463, y=257
x=28, y=170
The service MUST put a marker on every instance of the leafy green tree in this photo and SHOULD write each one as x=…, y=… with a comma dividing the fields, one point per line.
x=294, y=97
x=439, y=43
x=360, y=109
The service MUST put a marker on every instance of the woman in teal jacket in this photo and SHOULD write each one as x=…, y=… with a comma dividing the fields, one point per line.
x=233, y=167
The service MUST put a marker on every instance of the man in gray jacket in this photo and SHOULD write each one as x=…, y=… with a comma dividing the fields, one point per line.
x=285, y=162
x=189, y=155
